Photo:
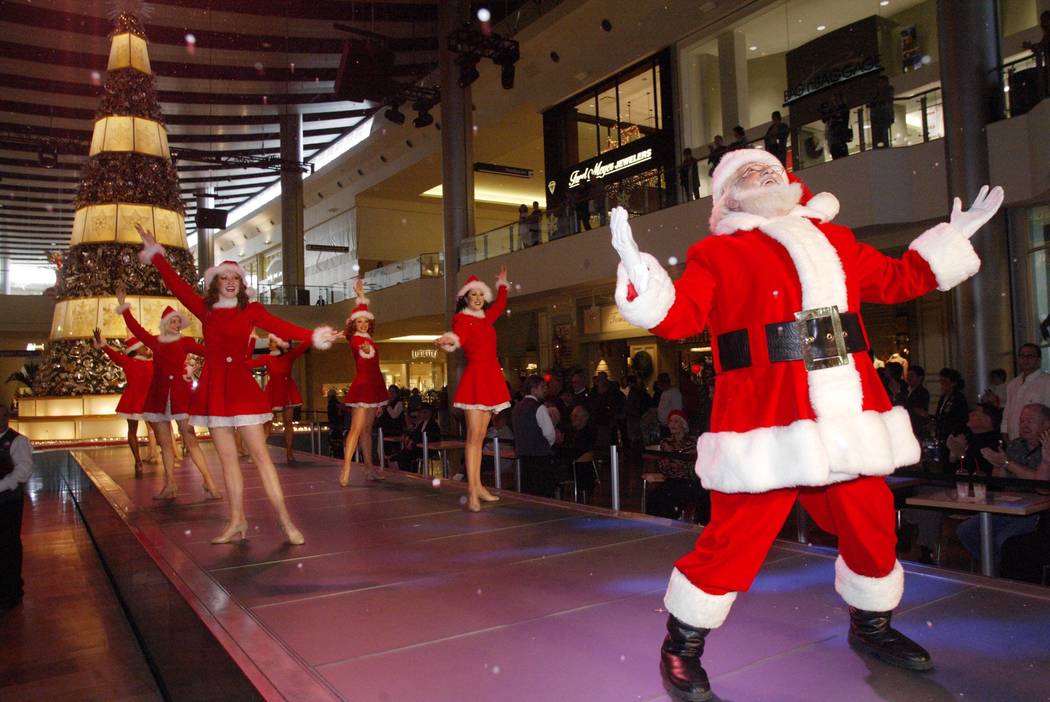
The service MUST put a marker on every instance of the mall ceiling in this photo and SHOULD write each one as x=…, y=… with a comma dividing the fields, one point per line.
x=226, y=70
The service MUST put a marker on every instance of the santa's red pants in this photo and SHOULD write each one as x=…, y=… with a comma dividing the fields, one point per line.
x=734, y=544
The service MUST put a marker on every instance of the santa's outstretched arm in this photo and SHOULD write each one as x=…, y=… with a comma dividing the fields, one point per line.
x=941, y=257
x=645, y=295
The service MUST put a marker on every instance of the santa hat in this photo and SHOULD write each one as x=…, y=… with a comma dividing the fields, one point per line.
x=131, y=343
x=680, y=414
x=229, y=267
x=474, y=284
x=278, y=341
x=360, y=310
x=168, y=312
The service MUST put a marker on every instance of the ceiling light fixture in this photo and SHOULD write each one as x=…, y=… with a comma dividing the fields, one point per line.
x=821, y=27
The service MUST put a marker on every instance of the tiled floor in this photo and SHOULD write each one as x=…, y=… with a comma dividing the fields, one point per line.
x=69, y=639
x=399, y=594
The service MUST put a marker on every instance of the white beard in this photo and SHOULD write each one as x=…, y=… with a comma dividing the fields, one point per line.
x=767, y=201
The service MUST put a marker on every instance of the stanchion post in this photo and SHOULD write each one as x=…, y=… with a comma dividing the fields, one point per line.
x=496, y=460
x=312, y=445
x=382, y=450
x=425, y=468
x=614, y=483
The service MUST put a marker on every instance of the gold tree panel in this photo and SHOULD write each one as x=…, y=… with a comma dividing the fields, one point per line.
x=128, y=51
x=78, y=318
x=116, y=222
x=122, y=134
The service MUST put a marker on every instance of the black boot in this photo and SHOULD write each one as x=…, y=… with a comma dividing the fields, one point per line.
x=684, y=677
x=871, y=633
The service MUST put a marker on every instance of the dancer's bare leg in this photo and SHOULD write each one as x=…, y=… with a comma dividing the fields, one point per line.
x=289, y=454
x=477, y=425
x=151, y=445
x=226, y=446
x=255, y=442
x=167, y=455
x=193, y=447
x=366, y=446
x=133, y=444
x=358, y=417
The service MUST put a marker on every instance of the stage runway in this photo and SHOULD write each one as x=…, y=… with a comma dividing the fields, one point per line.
x=400, y=595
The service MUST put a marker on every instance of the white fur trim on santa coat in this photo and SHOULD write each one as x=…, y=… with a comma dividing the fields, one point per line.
x=831, y=449
x=237, y=420
x=949, y=253
x=367, y=352
x=650, y=307
x=454, y=338
x=693, y=606
x=121, y=309
x=480, y=314
x=323, y=337
x=148, y=252
x=495, y=409
x=476, y=285
x=870, y=594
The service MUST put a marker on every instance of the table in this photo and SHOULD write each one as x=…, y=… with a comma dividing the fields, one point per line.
x=1018, y=504
x=441, y=447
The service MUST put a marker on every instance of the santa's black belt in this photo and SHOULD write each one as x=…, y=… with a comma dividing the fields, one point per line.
x=812, y=339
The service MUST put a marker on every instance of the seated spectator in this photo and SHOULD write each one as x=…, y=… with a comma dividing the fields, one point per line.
x=422, y=423
x=392, y=417
x=577, y=453
x=1027, y=456
x=679, y=496
x=982, y=432
x=893, y=382
x=1025, y=556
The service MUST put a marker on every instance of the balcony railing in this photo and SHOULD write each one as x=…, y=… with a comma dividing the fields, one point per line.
x=428, y=265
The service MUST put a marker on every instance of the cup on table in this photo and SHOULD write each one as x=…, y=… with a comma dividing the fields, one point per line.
x=980, y=492
x=962, y=486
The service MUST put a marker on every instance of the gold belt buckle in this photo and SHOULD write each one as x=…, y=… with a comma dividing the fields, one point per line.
x=822, y=348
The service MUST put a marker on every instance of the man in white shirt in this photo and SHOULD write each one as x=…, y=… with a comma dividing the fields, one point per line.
x=16, y=465
x=534, y=435
x=1031, y=386
x=670, y=399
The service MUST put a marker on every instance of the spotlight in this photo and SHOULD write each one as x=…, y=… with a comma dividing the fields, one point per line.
x=394, y=114
x=468, y=69
x=506, y=60
x=484, y=15
x=48, y=156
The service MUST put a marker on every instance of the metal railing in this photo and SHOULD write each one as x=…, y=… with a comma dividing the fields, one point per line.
x=427, y=265
x=278, y=294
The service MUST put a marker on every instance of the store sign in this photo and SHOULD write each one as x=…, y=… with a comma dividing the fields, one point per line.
x=835, y=58
x=833, y=76
x=426, y=354
x=601, y=169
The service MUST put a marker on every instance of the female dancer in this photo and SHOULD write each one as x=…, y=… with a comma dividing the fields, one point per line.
x=367, y=393
x=138, y=372
x=281, y=390
x=482, y=389
x=168, y=397
x=227, y=397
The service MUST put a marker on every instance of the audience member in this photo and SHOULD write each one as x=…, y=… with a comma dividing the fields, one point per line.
x=421, y=424
x=392, y=417
x=715, y=152
x=535, y=219
x=837, y=131
x=579, y=390
x=16, y=465
x=917, y=399
x=577, y=453
x=1028, y=457
x=893, y=381
x=636, y=404
x=534, y=436
x=995, y=393
x=1032, y=385
x=882, y=117
x=670, y=398
x=523, y=224
x=952, y=409
x=606, y=405
x=677, y=496
x=776, y=138
x=739, y=139
x=689, y=175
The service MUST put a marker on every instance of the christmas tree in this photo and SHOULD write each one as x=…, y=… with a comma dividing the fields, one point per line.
x=128, y=179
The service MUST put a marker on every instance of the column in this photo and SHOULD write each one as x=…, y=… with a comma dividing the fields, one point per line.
x=457, y=172
x=732, y=69
x=293, y=258
x=5, y=275
x=980, y=336
x=205, y=249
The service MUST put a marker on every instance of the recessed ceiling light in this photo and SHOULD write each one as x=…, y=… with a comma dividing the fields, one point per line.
x=884, y=3
x=821, y=27
x=752, y=48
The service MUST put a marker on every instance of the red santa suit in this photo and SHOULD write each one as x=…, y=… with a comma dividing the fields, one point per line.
x=227, y=394
x=780, y=432
x=281, y=389
x=368, y=389
x=169, y=394
x=138, y=373
x=482, y=385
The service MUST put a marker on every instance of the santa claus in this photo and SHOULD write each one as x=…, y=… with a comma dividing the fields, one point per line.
x=799, y=412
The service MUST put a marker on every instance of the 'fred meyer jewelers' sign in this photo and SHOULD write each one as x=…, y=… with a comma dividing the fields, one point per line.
x=602, y=169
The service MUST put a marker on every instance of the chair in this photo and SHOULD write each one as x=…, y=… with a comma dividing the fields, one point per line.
x=646, y=479
x=585, y=459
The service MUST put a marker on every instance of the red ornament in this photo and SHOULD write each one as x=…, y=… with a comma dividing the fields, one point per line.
x=695, y=368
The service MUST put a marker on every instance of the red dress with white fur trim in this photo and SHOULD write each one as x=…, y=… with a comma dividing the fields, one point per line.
x=368, y=389
x=169, y=394
x=227, y=394
x=281, y=389
x=482, y=385
x=139, y=375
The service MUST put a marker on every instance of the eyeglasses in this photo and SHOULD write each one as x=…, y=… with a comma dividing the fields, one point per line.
x=1028, y=355
x=760, y=169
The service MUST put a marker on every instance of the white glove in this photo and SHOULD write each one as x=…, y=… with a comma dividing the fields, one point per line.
x=984, y=207
x=623, y=242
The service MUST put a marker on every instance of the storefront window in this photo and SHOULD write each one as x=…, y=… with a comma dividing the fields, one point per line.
x=587, y=128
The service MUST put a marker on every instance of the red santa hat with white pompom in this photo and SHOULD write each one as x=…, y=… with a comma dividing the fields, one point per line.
x=228, y=267
x=170, y=312
x=360, y=310
x=132, y=343
x=474, y=284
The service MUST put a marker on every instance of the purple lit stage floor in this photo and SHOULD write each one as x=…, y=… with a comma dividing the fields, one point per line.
x=399, y=594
